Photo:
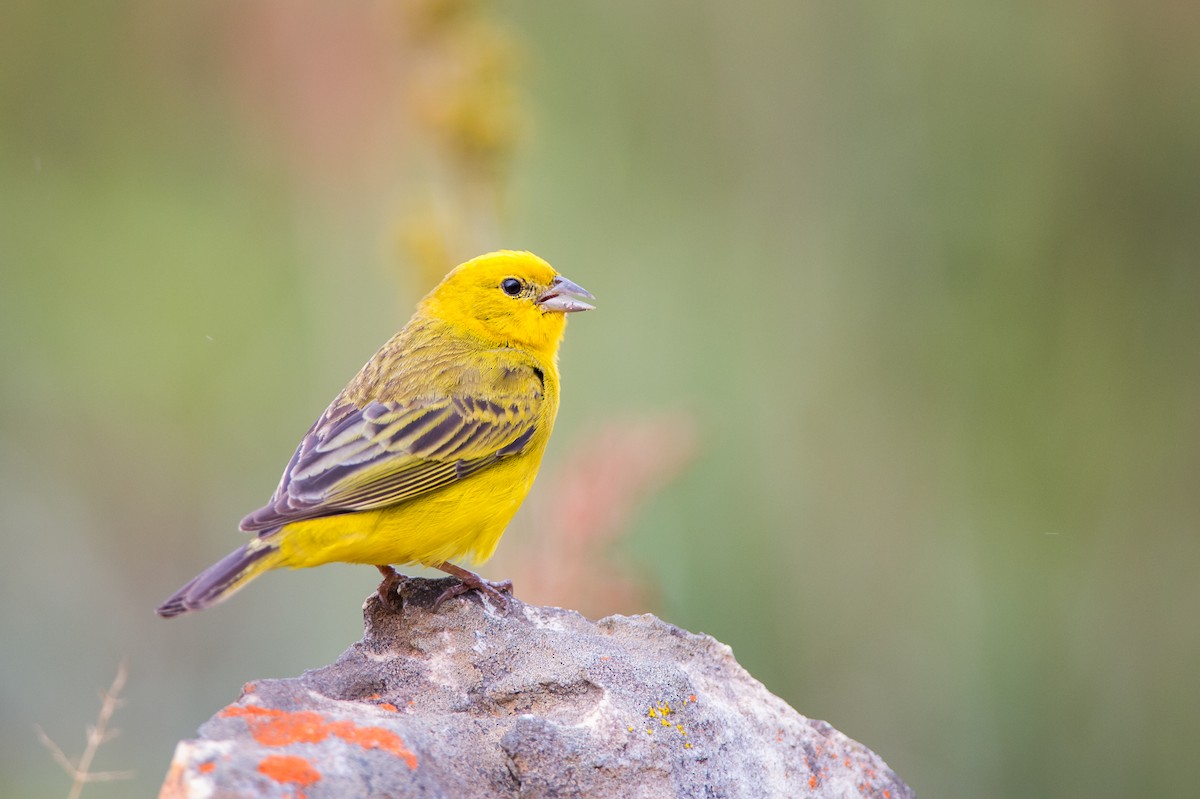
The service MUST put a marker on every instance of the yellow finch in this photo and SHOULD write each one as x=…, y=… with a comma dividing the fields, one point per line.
x=428, y=452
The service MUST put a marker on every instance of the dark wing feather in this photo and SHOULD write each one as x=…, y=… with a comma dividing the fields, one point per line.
x=357, y=459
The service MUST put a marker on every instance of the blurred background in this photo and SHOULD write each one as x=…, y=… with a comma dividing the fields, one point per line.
x=894, y=384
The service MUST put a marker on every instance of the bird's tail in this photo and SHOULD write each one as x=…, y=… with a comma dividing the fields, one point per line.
x=222, y=579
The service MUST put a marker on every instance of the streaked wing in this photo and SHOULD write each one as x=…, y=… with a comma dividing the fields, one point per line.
x=357, y=459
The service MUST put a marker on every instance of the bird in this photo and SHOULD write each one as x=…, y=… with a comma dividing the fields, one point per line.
x=427, y=453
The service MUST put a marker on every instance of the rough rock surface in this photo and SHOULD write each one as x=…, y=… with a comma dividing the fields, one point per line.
x=468, y=702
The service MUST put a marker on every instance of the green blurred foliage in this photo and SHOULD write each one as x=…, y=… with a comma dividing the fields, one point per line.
x=928, y=274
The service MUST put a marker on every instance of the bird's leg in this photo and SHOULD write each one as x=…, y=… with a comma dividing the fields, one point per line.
x=470, y=581
x=388, y=590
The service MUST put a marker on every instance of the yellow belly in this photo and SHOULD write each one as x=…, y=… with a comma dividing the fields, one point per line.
x=463, y=519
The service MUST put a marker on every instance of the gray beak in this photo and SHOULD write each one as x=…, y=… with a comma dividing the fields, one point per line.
x=564, y=296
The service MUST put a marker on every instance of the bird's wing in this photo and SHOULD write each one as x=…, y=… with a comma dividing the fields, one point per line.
x=357, y=459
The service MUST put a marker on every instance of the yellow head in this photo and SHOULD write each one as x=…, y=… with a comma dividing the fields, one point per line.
x=508, y=297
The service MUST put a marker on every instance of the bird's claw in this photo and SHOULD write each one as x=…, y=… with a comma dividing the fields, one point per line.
x=498, y=591
x=389, y=588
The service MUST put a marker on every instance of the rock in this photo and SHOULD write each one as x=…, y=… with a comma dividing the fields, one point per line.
x=467, y=701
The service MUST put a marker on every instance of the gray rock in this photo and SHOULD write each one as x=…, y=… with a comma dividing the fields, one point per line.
x=467, y=701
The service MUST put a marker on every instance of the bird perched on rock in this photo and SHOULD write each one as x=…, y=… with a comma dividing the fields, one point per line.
x=428, y=452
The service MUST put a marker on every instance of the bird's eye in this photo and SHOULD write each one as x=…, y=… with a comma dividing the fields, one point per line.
x=510, y=286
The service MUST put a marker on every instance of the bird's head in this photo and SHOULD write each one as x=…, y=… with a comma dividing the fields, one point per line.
x=508, y=297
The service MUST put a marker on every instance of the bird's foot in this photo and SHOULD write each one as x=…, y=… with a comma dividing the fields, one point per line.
x=389, y=588
x=470, y=581
x=498, y=591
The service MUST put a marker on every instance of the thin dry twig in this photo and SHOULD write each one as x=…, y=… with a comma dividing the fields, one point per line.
x=97, y=734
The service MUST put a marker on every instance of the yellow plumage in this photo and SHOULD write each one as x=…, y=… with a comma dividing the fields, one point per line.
x=428, y=452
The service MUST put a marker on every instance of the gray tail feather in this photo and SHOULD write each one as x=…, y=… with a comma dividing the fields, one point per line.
x=216, y=582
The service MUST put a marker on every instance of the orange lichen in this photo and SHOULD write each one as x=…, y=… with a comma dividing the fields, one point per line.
x=205, y=768
x=280, y=727
x=813, y=782
x=389, y=706
x=249, y=688
x=272, y=727
x=289, y=769
x=373, y=738
x=692, y=698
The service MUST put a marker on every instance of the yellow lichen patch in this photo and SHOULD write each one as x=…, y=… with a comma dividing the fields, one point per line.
x=666, y=717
